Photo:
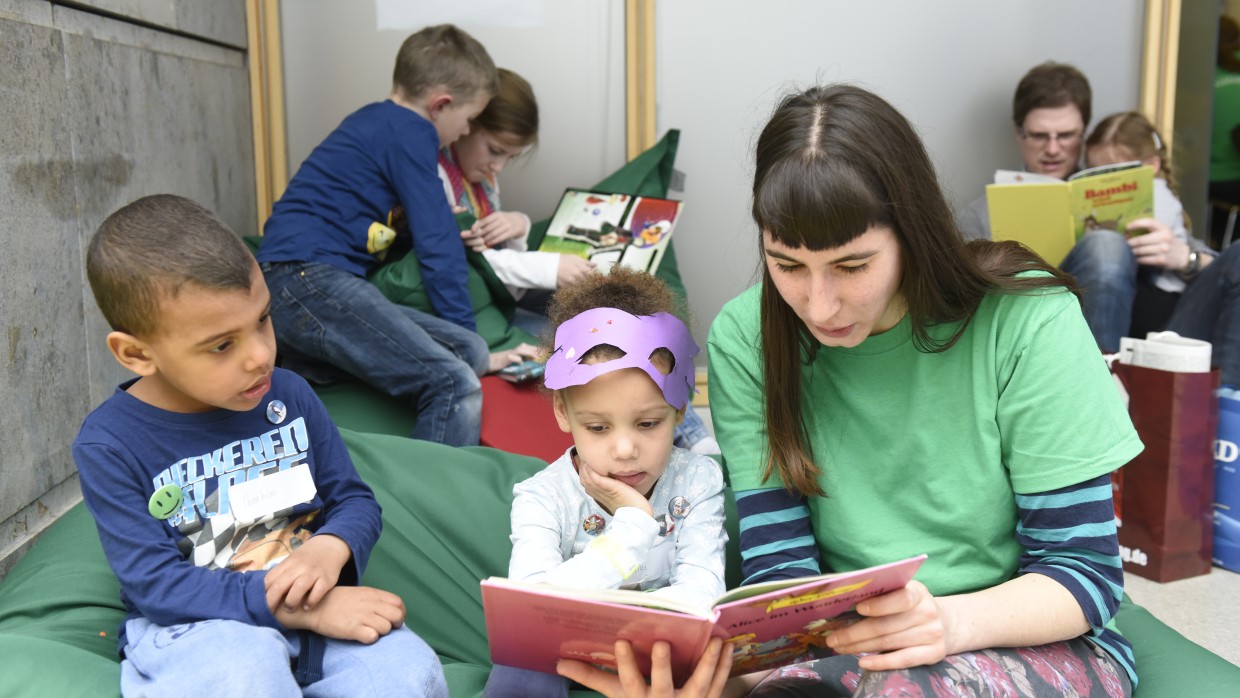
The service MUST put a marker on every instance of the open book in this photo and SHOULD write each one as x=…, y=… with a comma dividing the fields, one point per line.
x=772, y=624
x=611, y=229
x=1049, y=215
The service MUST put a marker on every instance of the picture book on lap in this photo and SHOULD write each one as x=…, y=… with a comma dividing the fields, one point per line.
x=771, y=624
x=1049, y=215
x=611, y=229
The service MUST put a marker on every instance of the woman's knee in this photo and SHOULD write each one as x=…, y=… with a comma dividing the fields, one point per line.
x=1229, y=261
x=464, y=381
x=477, y=355
x=1106, y=255
x=1103, y=265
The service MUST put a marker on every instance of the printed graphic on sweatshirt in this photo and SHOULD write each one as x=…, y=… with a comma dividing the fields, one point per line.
x=212, y=536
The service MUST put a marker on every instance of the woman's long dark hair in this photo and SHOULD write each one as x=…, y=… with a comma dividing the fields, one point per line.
x=832, y=163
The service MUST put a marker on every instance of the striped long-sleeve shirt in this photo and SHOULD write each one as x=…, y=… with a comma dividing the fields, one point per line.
x=1067, y=534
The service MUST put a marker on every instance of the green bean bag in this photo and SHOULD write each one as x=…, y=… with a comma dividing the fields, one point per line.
x=445, y=514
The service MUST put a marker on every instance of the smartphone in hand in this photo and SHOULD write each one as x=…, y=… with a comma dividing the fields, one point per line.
x=522, y=372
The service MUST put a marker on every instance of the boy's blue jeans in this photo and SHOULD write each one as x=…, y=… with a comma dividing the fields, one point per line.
x=333, y=316
x=1106, y=270
x=229, y=658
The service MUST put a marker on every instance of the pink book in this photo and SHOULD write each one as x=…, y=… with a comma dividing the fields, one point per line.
x=771, y=624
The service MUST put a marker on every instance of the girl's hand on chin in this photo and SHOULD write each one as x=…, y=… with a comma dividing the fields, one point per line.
x=610, y=493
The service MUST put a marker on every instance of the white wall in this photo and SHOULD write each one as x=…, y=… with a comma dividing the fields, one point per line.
x=949, y=65
x=335, y=60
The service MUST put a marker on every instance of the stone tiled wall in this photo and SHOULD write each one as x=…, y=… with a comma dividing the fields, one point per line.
x=98, y=106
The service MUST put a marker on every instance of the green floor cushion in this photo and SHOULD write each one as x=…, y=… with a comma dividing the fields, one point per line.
x=68, y=596
x=360, y=407
x=60, y=608
x=445, y=527
x=401, y=282
x=1169, y=664
x=445, y=513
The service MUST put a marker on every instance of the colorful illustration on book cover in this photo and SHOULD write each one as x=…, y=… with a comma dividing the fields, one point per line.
x=1113, y=200
x=810, y=642
x=611, y=229
x=651, y=219
x=586, y=223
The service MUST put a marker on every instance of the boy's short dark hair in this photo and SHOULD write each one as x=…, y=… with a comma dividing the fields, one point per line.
x=1051, y=85
x=153, y=247
x=443, y=55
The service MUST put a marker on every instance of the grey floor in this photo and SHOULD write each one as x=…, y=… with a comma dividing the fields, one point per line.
x=1204, y=609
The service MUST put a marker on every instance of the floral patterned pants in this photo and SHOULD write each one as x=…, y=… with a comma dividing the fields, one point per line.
x=1075, y=668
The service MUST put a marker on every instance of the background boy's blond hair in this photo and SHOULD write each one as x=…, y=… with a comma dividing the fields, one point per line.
x=150, y=249
x=443, y=56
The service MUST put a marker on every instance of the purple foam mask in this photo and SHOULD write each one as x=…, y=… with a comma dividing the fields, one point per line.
x=637, y=336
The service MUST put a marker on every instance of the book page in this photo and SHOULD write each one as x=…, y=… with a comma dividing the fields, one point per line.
x=1022, y=177
x=588, y=223
x=651, y=222
x=1104, y=169
x=611, y=229
x=1111, y=200
x=1038, y=215
x=780, y=627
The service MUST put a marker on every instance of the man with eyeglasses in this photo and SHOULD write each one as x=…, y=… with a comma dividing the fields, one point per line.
x=1050, y=111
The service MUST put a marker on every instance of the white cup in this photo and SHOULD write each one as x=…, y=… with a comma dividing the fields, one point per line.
x=1166, y=351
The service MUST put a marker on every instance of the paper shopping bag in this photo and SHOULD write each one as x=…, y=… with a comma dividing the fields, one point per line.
x=1165, y=496
x=1227, y=482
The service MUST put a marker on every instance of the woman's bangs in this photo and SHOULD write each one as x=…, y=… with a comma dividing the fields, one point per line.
x=815, y=205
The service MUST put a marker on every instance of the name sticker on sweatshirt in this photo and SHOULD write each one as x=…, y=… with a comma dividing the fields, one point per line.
x=254, y=499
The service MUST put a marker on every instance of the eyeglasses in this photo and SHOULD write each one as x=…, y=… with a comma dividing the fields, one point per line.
x=1065, y=140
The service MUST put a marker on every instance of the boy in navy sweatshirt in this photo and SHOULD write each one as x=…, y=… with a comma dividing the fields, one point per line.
x=225, y=499
x=335, y=223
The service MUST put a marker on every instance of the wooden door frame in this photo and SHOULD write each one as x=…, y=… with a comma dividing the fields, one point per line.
x=262, y=18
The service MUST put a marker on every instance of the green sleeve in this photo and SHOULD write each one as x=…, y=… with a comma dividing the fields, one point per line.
x=1061, y=416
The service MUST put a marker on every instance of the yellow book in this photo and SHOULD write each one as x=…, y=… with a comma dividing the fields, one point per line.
x=1049, y=215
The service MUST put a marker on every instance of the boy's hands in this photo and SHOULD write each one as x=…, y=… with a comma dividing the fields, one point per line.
x=496, y=228
x=361, y=614
x=519, y=353
x=708, y=678
x=610, y=493
x=303, y=578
